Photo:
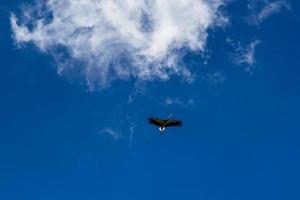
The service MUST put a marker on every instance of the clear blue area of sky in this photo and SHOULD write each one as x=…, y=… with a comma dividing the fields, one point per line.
x=240, y=139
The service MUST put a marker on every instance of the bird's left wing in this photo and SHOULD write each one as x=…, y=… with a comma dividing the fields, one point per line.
x=173, y=122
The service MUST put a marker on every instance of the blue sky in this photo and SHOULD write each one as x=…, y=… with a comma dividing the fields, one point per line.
x=75, y=135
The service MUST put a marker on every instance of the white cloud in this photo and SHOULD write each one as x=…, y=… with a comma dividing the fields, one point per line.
x=107, y=40
x=244, y=55
x=262, y=9
x=115, y=135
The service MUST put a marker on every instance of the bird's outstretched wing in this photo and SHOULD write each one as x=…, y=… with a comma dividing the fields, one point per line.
x=156, y=121
x=173, y=122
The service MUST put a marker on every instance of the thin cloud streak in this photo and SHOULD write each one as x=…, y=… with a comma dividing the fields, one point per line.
x=115, y=135
x=131, y=134
x=267, y=9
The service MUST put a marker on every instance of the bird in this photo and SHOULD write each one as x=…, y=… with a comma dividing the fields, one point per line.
x=164, y=123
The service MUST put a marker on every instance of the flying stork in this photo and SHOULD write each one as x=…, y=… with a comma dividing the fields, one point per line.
x=164, y=123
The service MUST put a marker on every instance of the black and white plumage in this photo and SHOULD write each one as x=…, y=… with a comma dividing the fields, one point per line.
x=164, y=123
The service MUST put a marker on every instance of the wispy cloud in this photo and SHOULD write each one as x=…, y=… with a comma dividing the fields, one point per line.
x=262, y=9
x=215, y=79
x=179, y=102
x=244, y=55
x=115, y=135
x=110, y=40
